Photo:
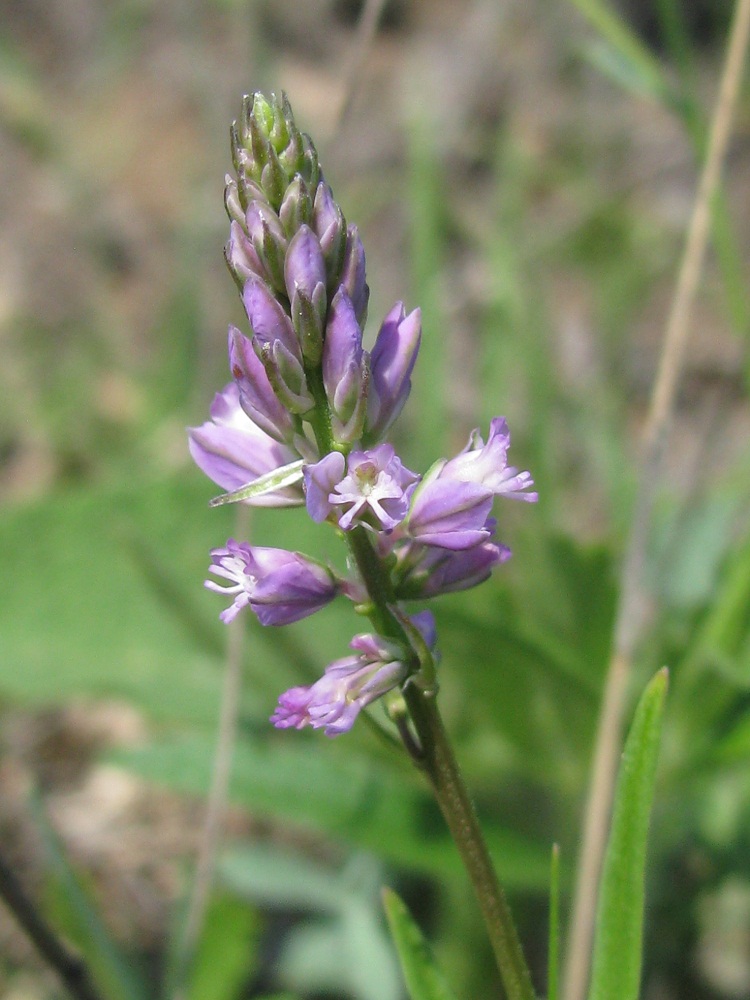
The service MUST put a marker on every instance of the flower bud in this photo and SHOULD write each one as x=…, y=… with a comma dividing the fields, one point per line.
x=304, y=268
x=256, y=395
x=308, y=318
x=310, y=165
x=430, y=571
x=296, y=207
x=353, y=275
x=269, y=322
x=392, y=362
x=240, y=255
x=269, y=241
x=330, y=227
x=232, y=202
x=287, y=377
x=278, y=133
x=344, y=364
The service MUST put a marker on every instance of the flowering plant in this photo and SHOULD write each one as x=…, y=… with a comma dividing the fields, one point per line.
x=305, y=421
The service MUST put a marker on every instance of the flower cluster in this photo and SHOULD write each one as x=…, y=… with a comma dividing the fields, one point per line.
x=305, y=421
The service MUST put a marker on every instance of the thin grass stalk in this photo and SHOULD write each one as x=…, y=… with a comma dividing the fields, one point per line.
x=217, y=796
x=367, y=29
x=631, y=614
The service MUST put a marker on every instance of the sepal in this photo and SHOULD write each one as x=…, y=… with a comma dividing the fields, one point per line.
x=271, y=482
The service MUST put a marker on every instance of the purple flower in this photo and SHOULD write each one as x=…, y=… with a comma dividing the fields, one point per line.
x=281, y=587
x=451, y=515
x=393, y=358
x=372, y=488
x=350, y=684
x=233, y=451
x=257, y=397
x=426, y=571
x=487, y=464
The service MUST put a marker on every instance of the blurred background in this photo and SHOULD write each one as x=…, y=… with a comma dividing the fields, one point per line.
x=526, y=178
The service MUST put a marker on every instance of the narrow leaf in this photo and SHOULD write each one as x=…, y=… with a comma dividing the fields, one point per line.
x=278, y=479
x=619, y=932
x=553, y=953
x=636, y=63
x=424, y=980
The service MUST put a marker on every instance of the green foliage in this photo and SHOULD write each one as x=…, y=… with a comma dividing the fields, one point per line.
x=223, y=960
x=424, y=980
x=341, y=946
x=618, y=945
x=342, y=792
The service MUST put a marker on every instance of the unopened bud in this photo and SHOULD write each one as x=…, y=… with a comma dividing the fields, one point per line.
x=296, y=207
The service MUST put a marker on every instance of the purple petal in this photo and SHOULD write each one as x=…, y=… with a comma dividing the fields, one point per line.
x=320, y=480
x=450, y=515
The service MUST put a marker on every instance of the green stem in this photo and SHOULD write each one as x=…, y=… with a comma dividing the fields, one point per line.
x=453, y=798
x=435, y=756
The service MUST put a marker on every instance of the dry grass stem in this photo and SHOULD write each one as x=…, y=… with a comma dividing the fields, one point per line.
x=631, y=610
x=218, y=793
x=366, y=33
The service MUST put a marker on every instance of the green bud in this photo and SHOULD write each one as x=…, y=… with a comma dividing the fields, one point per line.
x=287, y=378
x=273, y=180
x=233, y=202
x=296, y=207
x=248, y=191
x=261, y=112
x=279, y=133
x=308, y=320
x=310, y=168
x=271, y=251
x=292, y=156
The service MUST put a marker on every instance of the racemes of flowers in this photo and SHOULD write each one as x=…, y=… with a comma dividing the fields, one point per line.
x=305, y=421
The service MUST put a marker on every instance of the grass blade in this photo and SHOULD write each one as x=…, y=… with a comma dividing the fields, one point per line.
x=424, y=980
x=618, y=945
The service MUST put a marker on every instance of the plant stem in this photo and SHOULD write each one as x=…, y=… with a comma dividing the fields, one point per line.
x=632, y=610
x=70, y=967
x=453, y=798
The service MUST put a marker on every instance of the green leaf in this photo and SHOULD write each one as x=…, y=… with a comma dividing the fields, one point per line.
x=619, y=932
x=424, y=979
x=226, y=951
